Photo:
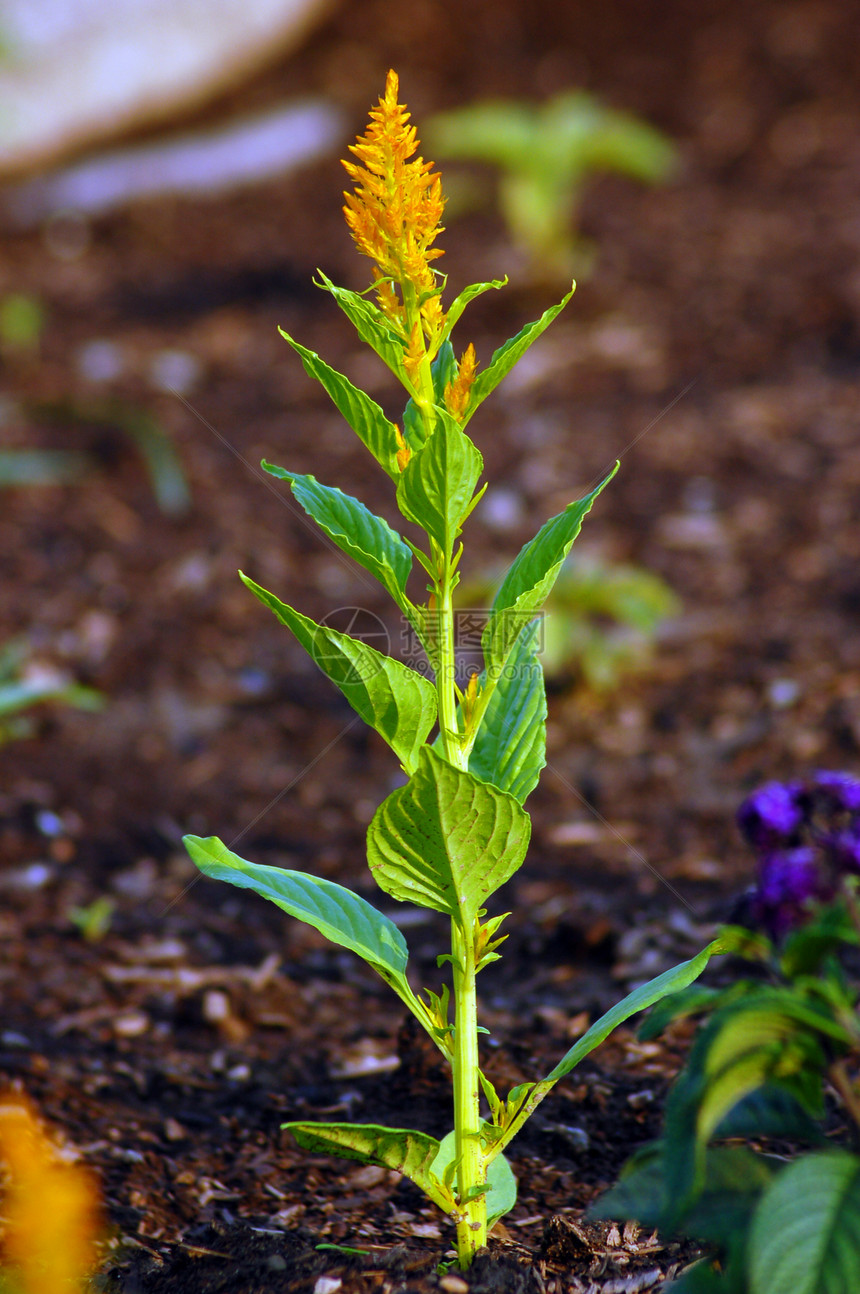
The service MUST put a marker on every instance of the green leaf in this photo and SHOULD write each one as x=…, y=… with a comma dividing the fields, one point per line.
x=437, y=484
x=805, y=1236
x=355, y=529
x=510, y=353
x=640, y=999
x=458, y=305
x=340, y=915
x=404, y=1151
x=446, y=841
x=390, y=697
x=443, y=370
x=371, y=325
x=501, y=1182
x=770, y=1112
x=531, y=576
x=510, y=747
x=363, y=414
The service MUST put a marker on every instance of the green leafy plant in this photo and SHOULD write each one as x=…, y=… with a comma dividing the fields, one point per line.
x=22, y=321
x=600, y=620
x=545, y=155
x=770, y=1049
x=24, y=685
x=457, y=830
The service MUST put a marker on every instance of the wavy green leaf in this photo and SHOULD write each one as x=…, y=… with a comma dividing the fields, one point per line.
x=371, y=325
x=366, y=538
x=390, y=697
x=677, y=977
x=364, y=415
x=510, y=353
x=404, y=1151
x=510, y=747
x=436, y=487
x=340, y=915
x=531, y=576
x=640, y=999
x=446, y=841
x=805, y=1234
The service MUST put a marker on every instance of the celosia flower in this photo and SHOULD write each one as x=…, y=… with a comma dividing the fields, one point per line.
x=49, y=1208
x=771, y=815
x=394, y=216
x=458, y=392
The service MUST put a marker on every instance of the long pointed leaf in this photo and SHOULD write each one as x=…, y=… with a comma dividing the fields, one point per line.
x=507, y=356
x=404, y=1151
x=510, y=747
x=390, y=697
x=340, y=915
x=363, y=414
x=371, y=325
x=640, y=999
x=355, y=529
x=531, y=577
x=446, y=841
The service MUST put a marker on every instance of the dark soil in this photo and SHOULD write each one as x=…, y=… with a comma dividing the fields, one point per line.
x=716, y=351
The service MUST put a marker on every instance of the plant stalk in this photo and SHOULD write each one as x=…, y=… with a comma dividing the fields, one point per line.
x=471, y=1173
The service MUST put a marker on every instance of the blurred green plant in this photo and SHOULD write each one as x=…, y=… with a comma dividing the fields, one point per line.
x=59, y=467
x=93, y=920
x=601, y=620
x=22, y=321
x=759, y=1156
x=546, y=153
x=25, y=684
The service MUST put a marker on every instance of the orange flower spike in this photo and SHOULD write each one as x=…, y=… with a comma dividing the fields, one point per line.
x=404, y=453
x=50, y=1208
x=394, y=213
x=458, y=391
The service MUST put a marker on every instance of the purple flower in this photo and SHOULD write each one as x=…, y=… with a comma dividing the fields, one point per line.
x=842, y=790
x=790, y=877
x=844, y=847
x=787, y=881
x=771, y=815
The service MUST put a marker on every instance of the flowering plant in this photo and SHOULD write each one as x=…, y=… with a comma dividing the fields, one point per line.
x=776, y=1050
x=457, y=830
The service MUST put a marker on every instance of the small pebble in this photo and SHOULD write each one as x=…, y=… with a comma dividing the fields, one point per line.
x=131, y=1024
x=327, y=1285
x=50, y=824
x=174, y=370
x=502, y=509
x=100, y=361
x=454, y=1285
x=783, y=693
x=9, y=1038
x=276, y=1263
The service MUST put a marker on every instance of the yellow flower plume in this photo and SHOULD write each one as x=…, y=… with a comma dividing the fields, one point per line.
x=49, y=1207
x=394, y=216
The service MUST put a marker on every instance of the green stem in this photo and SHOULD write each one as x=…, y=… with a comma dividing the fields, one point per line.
x=469, y=1155
x=471, y=1172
